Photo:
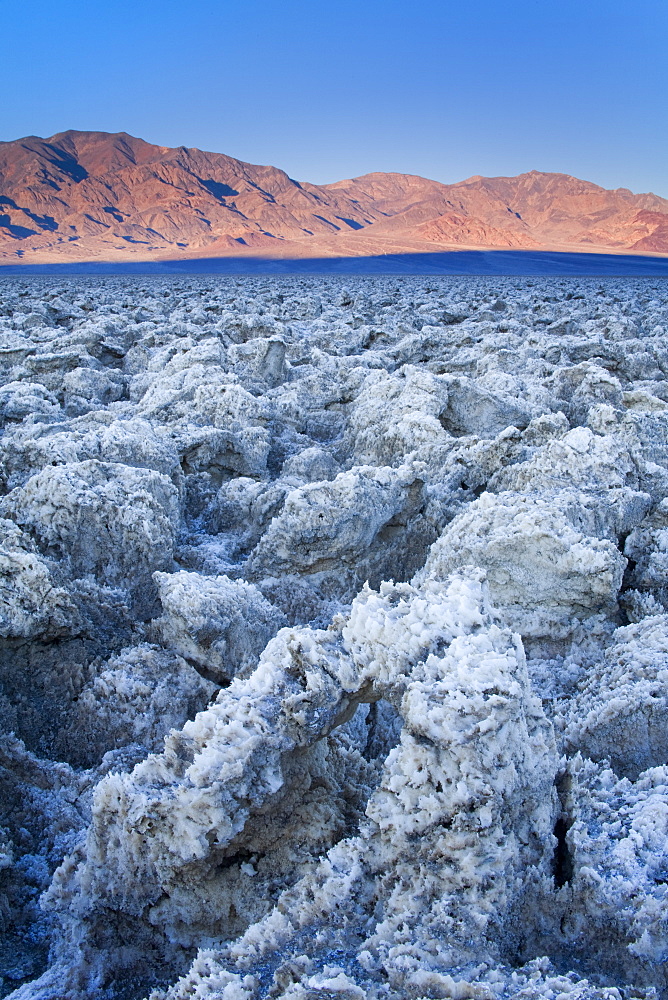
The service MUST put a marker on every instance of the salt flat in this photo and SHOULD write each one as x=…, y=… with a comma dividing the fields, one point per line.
x=334, y=638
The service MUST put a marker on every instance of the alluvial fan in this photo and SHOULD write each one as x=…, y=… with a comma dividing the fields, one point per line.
x=333, y=639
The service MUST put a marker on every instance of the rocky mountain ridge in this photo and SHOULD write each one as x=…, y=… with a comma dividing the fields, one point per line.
x=101, y=196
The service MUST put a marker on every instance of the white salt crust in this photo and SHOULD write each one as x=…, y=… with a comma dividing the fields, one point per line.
x=333, y=639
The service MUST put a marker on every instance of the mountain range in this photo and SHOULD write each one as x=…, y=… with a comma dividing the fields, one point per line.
x=80, y=196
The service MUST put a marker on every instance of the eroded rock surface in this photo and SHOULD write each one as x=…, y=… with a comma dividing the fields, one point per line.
x=333, y=639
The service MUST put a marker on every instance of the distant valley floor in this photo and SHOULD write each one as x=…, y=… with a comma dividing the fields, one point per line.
x=462, y=262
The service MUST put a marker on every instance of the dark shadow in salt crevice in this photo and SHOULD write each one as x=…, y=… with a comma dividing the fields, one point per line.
x=384, y=725
x=38, y=683
x=562, y=863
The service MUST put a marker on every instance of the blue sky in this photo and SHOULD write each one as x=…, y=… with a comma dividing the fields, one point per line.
x=328, y=90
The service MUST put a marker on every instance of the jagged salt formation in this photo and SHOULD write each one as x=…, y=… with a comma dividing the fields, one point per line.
x=333, y=639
